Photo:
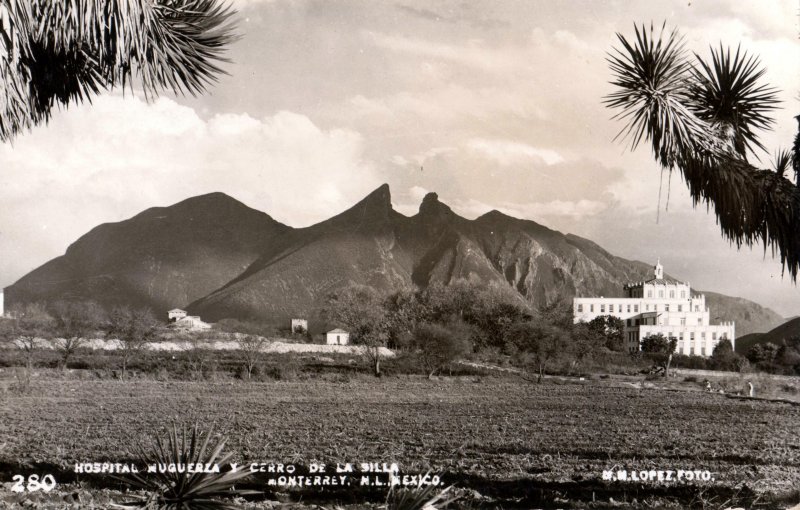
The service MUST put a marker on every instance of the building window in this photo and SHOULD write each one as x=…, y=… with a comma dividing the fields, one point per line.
x=602, y=308
x=672, y=294
x=635, y=308
x=649, y=293
x=661, y=293
x=629, y=308
x=683, y=321
x=580, y=308
x=610, y=308
x=696, y=308
x=666, y=308
x=591, y=308
x=647, y=307
x=680, y=308
x=683, y=294
x=699, y=321
x=714, y=335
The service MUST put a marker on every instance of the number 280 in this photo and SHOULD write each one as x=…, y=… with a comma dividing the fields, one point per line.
x=46, y=483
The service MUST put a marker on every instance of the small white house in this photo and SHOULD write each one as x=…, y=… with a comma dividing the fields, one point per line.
x=176, y=314
x=337, y=337
x=299, y=325
x=193, y=323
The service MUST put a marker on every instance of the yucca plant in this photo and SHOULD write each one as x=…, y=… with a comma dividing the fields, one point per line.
x=186, y=491
x=57, y=52
x=702, y=119
x=429, y=497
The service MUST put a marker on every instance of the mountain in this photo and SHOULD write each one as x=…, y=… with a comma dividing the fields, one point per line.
x=788, y=329
x=371, y=244
x=223, y=259
x=164, y=257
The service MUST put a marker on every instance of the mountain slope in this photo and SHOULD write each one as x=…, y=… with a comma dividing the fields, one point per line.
x=371, y=244
x=164, y=257
x=223, y=259
x=777, y=335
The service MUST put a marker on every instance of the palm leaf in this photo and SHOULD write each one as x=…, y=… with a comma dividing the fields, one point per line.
x=702, y=121
x=61, y=52
x=727, y=91
x=651, y=74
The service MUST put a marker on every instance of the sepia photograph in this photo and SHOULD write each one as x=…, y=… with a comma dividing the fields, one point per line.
x=399, y=254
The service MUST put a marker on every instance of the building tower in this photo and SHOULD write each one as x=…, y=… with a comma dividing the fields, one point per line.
x=659, y=270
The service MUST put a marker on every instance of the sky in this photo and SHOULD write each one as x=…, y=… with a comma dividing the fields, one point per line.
x=492, y=104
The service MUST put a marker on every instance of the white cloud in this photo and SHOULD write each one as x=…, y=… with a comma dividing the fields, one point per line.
x=507, y=152
x=110, y=160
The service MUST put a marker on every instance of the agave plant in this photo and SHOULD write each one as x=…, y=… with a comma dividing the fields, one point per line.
x=186, y=491
x=702, y=119
x=421, y=498
x=59, y=52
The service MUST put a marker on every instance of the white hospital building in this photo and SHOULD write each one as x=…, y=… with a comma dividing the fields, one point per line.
x=660, y=305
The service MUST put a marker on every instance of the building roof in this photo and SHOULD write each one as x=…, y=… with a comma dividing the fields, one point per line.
x=337, y=331
x=177, y=310
x=655, y=281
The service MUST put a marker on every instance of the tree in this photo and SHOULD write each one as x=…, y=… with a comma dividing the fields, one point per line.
x=610, y=329
x=660, y=349
x=701, y=118
x=723, y=357
x=441, y=344
x=250, y=348
x=74, y=322
x=584, y=343
x=360, y=309
x=762, y=353
x=537, y=343
x=133, y=329
x=54, y=53
x=25, y=324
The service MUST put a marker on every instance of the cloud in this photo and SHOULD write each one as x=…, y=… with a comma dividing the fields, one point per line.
x=110, y=160
x=507, y=152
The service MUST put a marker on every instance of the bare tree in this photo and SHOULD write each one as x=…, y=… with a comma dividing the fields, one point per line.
x=26, y=324
x=74, y=322
x=134, y=329
x=250, y=347
x=360, y=309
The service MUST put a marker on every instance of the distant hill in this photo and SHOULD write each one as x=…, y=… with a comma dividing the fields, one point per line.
x=788, y=329
x=223, y=259
x=162, y=258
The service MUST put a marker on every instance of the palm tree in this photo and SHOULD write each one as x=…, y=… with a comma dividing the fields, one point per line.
x=701, y=118
x=57, y=52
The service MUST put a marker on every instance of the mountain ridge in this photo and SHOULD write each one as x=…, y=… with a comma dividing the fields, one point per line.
x=219, y=258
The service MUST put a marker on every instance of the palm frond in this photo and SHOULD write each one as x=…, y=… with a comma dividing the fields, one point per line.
x=702, y=122
x=728, y=91
x=651, y=74
x=796, y=153
x=782, y=162
x=61, y=52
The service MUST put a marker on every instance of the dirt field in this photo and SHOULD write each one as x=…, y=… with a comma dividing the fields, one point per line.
x=517, y=444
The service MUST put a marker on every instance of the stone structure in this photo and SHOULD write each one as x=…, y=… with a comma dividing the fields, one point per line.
x=299, y=326
x=660, y=306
